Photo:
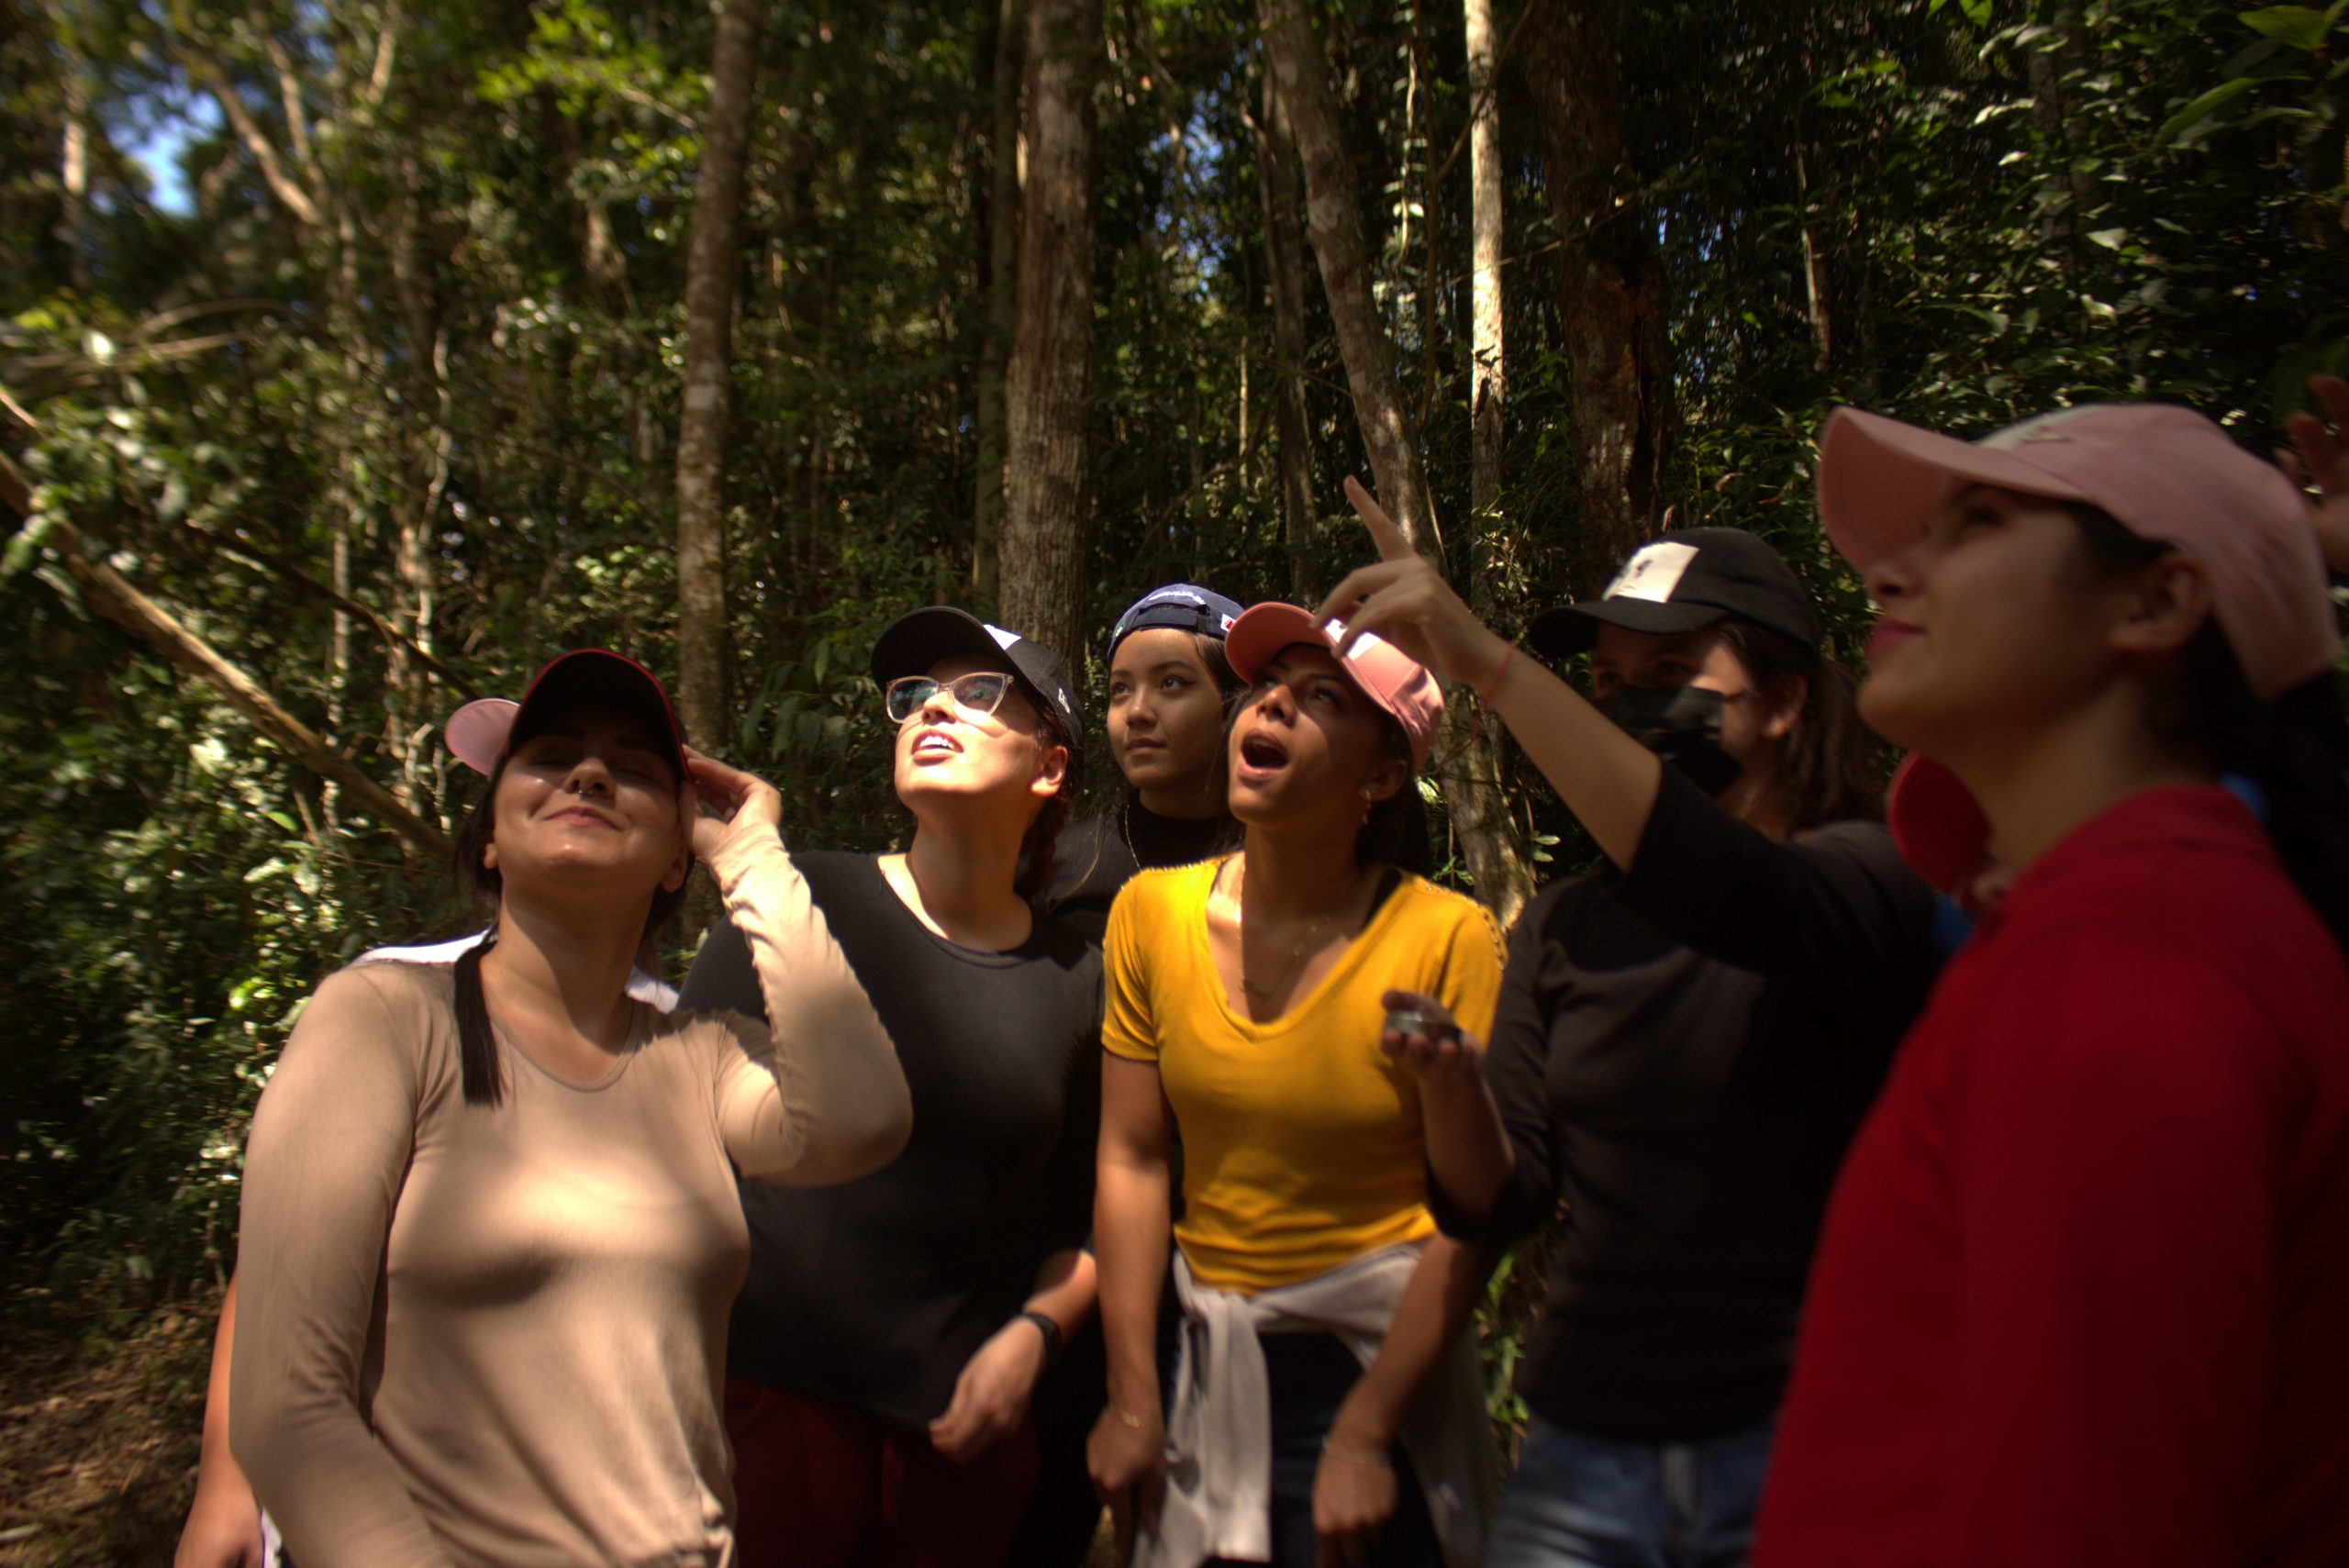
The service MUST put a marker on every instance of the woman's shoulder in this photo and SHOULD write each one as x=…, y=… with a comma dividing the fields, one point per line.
x=405, y=989
x=1170, y=887
x=399, y=1016
x=1425, y=902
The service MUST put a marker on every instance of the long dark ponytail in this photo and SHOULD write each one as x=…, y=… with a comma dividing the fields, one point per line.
x=2294, y=751
x=1824, y=771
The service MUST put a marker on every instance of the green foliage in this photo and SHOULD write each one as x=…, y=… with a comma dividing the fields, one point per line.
x=1960, y=214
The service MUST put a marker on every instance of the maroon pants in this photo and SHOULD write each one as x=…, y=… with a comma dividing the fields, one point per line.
x=816, y=1485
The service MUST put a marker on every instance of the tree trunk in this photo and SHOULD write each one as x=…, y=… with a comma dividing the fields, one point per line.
x=1042, y=548
x=1487, y=383
x=1006, y=154
x=416, y=287
x=1285, y=261
x=703, y=664
x=74, y=177
x=2066, y=194
x=105, y=591
x=1574, y=74
x=1468, y=773
x=1333, y=223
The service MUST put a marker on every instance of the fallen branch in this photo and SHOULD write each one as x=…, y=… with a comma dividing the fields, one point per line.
x=105, y=590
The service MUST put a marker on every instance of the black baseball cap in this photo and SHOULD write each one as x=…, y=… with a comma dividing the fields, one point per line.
x=1680, y=582
x=1183, y=606
x=479, y=731
x=919, y=639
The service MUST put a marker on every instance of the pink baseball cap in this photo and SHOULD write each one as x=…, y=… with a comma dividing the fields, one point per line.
x=479, y=731
x=1388, y=676
x=2165, y=472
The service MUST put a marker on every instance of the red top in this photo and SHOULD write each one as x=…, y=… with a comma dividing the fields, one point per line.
x=2083, y=1294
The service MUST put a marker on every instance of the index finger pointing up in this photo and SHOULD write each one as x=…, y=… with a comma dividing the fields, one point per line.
x=1392, y=545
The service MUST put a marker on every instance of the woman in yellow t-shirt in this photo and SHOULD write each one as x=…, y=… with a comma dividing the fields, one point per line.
x=1324, y=1393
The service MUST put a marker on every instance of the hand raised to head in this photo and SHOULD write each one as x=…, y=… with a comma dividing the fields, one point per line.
x=2323, y=460
x=1404, y=600
x=730, y=802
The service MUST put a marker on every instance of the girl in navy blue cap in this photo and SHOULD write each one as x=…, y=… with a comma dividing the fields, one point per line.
x=1170, y=689
x=1685, y=1041
x=1170, y=693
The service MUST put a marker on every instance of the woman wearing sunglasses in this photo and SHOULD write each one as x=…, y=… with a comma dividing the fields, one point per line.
x=1325, y=1404
x=490, y=1230
x=893, y=1331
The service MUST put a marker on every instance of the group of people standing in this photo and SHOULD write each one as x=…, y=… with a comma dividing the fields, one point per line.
x=1996, y=1213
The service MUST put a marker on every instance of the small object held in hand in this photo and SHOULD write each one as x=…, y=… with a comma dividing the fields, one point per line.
x=1403, y=1021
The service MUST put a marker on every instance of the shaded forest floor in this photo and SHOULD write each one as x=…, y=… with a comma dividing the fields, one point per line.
x=99, y=1433
x=99, y=1429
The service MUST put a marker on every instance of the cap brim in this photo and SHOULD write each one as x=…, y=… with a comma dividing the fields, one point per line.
x=1571, y=628
x=599, y=676
x=477, y=731
x=1881, y=480
x=1256, y=638
x=919, y=639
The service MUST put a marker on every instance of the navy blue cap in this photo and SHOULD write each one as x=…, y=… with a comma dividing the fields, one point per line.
x=1183, y=606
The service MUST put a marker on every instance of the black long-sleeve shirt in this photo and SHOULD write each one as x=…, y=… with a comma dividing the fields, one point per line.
x=1682, y=1053
x=872, y=1295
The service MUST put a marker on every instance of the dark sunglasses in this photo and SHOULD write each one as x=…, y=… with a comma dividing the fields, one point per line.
x=980, y=693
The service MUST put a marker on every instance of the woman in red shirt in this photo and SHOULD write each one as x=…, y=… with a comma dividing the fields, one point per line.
x=2080, y=1291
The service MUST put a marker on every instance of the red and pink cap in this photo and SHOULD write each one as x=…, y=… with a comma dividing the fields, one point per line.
x=1394, y=680
x=479, y=731
x=2164, y=472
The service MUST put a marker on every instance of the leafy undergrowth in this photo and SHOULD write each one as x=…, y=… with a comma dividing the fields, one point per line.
x=99, y=1431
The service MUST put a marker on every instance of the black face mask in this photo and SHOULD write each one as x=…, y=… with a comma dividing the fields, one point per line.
x=1680, y=723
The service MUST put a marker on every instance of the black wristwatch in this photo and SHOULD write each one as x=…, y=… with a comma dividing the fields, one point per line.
x=1052, y=1332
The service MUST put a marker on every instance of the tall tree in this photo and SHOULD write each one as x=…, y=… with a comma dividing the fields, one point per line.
x=704, y=664
x=1333, y=223
x=1041, y=552
x=1469, y=773
x=1004, y=159
x=1487, y=383
x=1285, y=264
x=1574, y=71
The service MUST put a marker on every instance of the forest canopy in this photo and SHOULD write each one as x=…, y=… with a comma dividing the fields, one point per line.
x=355, y=355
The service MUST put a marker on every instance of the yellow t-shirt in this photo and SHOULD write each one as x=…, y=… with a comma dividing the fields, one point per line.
x=1302, y=1141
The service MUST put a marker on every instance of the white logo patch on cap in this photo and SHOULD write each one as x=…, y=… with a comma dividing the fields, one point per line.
x=1362, y=645
x=1003, y=639
x=1652, y=573
x=2039, y=428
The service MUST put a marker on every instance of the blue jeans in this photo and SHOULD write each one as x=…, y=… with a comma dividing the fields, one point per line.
x=1311, y=1375
x=1578, y=1501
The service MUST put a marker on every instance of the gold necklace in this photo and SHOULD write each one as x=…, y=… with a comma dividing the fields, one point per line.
x=1297, y=954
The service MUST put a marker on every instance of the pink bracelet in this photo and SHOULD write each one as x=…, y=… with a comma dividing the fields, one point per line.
x=1492, y=688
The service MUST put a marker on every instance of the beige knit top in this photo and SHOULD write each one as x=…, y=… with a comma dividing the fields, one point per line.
x=476, y=1334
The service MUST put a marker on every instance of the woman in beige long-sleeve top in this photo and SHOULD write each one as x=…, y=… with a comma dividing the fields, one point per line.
x=490, y=1226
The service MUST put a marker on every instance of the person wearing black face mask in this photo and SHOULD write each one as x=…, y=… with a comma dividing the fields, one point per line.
x=1685, y=1040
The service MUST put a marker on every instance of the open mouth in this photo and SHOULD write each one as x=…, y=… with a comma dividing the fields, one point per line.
x=936, y=743
x=1260, y=753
